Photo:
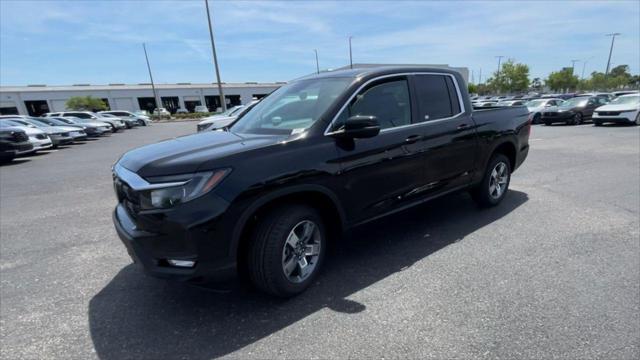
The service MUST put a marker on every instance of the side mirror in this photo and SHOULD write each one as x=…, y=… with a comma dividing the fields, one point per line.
x=358, y=127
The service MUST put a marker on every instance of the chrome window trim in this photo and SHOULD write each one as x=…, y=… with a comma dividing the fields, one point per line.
x=453, y=78
x=136, y=182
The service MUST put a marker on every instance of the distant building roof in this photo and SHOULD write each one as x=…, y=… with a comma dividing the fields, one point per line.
x=141, y=86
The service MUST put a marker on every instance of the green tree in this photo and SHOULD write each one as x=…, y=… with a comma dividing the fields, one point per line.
x=85, y=103
x=472, y=88
x=512, y=77
x=562, y=80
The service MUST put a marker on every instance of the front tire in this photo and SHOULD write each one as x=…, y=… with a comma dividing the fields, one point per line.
x=495, y=182
x=547, y=123
x=638, y=119
x=536, y=119
x=287, y=250
x=577, y=119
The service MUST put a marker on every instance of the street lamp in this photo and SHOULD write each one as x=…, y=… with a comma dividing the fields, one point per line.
x=317, y=64
x=350, y=54
x=573, y=65
x=613, y=38
x=153, y=86
x=584, y=64
x=215, y=59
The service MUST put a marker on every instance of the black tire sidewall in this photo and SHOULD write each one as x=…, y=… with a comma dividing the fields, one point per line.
x=481, y=193
x=278, y=228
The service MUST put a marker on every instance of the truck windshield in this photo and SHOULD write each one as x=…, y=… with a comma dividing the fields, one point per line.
x=292, y=108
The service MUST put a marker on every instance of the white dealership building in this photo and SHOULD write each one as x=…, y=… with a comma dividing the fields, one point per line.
x=36, y=100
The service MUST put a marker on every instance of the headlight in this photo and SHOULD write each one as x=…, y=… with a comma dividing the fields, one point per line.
x=189, y=187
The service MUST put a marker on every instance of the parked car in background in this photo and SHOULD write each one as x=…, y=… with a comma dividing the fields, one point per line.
x=607, y=96
x=13, y=142
x=573, y=111
x=115, y=122
x=57, y=135
x=141, y=119
x=182, y=111
x=266, y=196
x=481, y=104
x=537, y=106
x=129, y=122
x=201, y=108
x=511, y=103
x=624, y=92
x=161, y=112
x=624, y=109
x=217, y=122
x=92, y=128
x=76, y=133
x=37, y=137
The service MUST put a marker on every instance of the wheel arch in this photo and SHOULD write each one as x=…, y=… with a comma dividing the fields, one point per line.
x=316, y=196
x=507, y=148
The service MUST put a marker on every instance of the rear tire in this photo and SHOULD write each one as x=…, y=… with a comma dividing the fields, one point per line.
x=493, y=189
x=577, y=119
x=536, y=119
x=597, y=123
x=276, y=257
x=547, y=123
x=638, y=119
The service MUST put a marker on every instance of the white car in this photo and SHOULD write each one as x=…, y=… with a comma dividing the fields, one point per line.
x=201, y=109
x=161, y=111
x=57, y=135
x=537, y=106
x=115, y=122
x=624, y=109
x=141, y=119
x=37, y=137
x=223, y=120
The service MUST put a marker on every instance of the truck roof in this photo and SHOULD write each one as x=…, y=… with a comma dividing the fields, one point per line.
x=375, y=71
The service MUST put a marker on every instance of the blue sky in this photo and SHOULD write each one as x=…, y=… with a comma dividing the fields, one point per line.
x=99, y=42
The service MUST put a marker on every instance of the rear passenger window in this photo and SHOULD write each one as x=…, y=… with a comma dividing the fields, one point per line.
x=437, y=97
x=389, y=102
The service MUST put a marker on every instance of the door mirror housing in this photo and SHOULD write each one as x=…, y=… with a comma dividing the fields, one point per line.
x=358, y=127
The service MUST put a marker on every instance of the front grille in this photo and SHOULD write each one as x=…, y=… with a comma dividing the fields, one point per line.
x=20, y=136
x=41, y=136
x=65, y=134
x=609, y=113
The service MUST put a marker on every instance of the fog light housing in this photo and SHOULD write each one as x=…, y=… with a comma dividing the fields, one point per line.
x=181, y=263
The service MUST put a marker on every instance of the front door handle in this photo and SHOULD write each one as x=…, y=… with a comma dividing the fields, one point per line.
x=463, y=126
x=411, y=139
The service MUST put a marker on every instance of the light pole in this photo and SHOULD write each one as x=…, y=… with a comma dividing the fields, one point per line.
x=153, y=86
x=350, y=54
x=613, y=38
x=584, y=64
x=573, y=65
x=223, y=103
x=498, y=73
x=317, y=64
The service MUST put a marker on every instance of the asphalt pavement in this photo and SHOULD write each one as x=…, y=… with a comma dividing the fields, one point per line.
x=553, y=272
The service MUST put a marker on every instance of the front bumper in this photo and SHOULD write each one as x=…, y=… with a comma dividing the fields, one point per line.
x=555, y=117
x=60, y=140
x=174, y=238
x=40, y=144
x=616, y=117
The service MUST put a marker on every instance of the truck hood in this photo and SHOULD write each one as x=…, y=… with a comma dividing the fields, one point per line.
x=618, y=107
x=187, y=154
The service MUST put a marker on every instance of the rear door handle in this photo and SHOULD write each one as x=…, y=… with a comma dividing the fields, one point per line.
x=463, y=126
x=411, y=139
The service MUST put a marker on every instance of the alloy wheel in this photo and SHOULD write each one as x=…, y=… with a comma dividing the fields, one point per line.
x=577, y=119
x=498, y=180
x=301, y=251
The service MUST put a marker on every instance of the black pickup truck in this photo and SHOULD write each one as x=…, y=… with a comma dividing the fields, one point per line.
x=317, y=156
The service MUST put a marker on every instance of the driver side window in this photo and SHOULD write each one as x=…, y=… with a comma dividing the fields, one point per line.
x=389, y=102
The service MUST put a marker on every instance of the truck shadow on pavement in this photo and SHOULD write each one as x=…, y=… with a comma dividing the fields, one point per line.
x=136, y=316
